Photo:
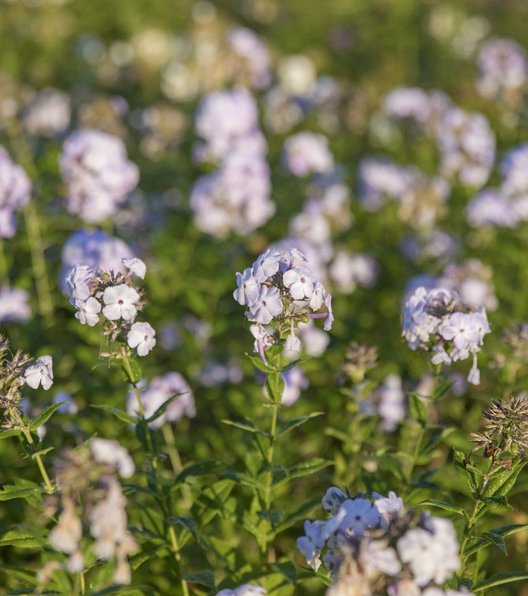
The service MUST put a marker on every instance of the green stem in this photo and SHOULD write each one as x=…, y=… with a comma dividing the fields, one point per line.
x=176, y=551
x=477, y=509
x=25, y=158
x=127, y=367
x=174, y=454
x=268, y=486
x=176, y=461
x=36, y=456
x=44, y=298
x=4, y=269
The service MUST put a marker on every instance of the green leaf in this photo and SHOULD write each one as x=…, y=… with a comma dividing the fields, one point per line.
x=433, y=437
x=20, y=574
x=132, y=371
x=275, y=385
x=203, y=578
x=137, y=560
x=497, y=540
x=298, y=471
x=10, y=432
x=417, y=409
x=502, y=483
x=200, y=468
x=503, y=532
x=500, y=579
x=286, y=569
x=22, y=489
x=443, y=505
x=44, y=416
x=260, y=364
x=247, y=427
x=21, y=538
x=161, y=410
x=297, y=514
x=285, y=428
x=186, y=521
x=119, y=414
x=496, y=500
x=244, y=479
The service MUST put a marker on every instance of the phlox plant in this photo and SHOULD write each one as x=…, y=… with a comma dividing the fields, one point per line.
x=263, y=323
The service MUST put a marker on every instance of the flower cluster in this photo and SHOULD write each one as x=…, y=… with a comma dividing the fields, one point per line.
x=467, y=147
x=94, y=292
x=421, y=199
x=471, y=279
x=98, y=174
x=307, y=153
x=170, y=386
x=16, y=370
x=423, y=108
x=15, y=193
x=280, y=292
x=350, y=270
x=96, y=249
x=227, y=121
x=373, y=542
x=48, y=114
x=388, y=402
x=253, y=56
x=14, y=307
x=506, y=206
x=503, y=71
x=437, y=321
x=90, y=495
x=236, y=196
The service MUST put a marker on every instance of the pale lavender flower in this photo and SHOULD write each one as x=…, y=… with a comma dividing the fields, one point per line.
x=235, y=198
x=107, y=451
x=503, y=68
x=467, y=147
x=120, y=302
x=136, y=266
x=436, y=321
x=158, y=392
x=15, y=193
x=14, y=307
x=142, y=337
x=98, y=174
x=356, y=515
x=88, y=311
x=391, y=402
x=379, y=179
x=244, y=590
x=252, y=48
x=308, y=153
x=390, y=508
x=224, y=120
x=295, y=382
x=432, y=554
x=48, y=114
x=267, y=306
x=408, y=102
x=95, y=249
x=348, y=270
x=333, y=499
x=280, y=291
x=40, y=372
x=491, y=208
